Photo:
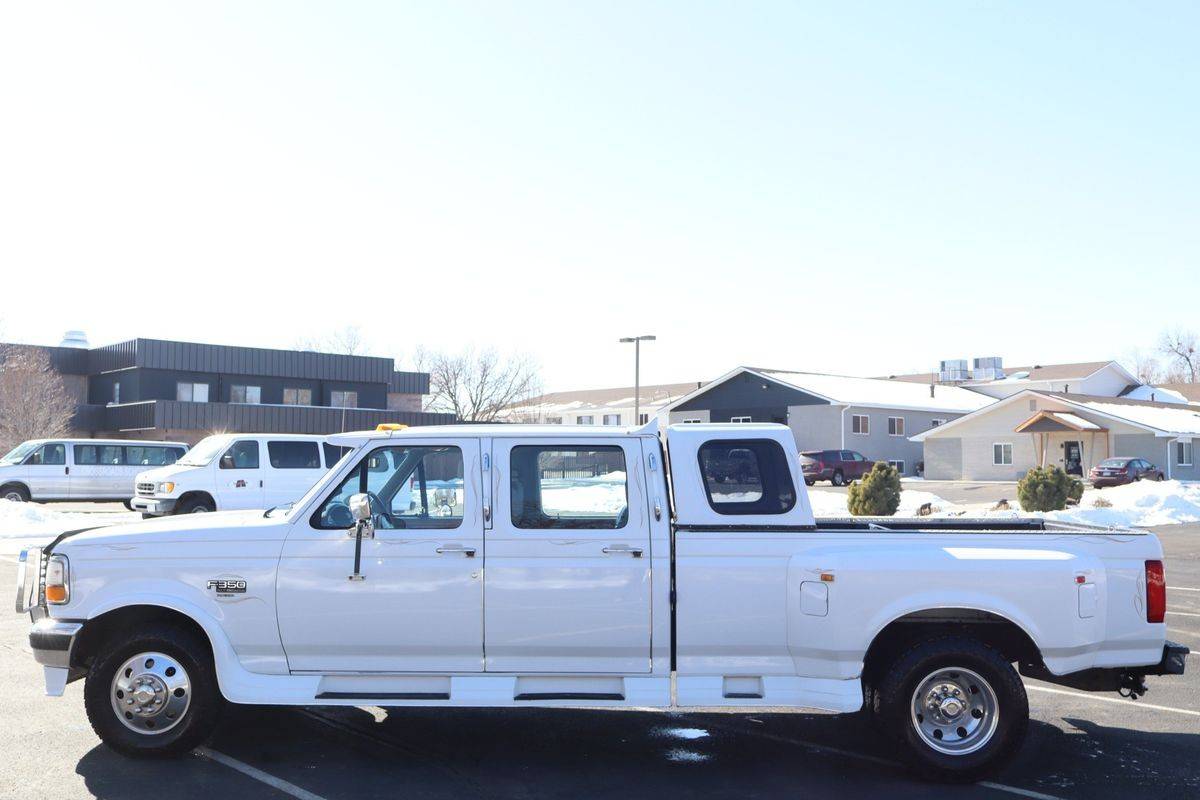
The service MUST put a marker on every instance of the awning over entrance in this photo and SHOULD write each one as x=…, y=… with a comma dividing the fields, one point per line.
x=1057, y=422
x=1078, y=451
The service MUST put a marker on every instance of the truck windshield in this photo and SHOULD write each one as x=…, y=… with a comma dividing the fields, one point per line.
x=18, y=453
x=204, y=452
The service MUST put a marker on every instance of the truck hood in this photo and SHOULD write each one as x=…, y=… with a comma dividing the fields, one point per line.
x=186, y=528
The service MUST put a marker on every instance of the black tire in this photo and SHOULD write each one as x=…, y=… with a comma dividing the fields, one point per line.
x=204, y=705
x=807, y=482
x=838, y=478
x=128, y=504
x=14, y=492
x=195, y=505
x=894, y=704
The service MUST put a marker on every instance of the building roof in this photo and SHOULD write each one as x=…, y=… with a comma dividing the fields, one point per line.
x=866, y=392
x=1161, y=419
x=1189, y=390
x=620, y=397
x=1037, y=372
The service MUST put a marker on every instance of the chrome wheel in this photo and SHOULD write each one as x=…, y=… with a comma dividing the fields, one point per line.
x=14, y=496
x=200, y=510
x=151, y=693
x=955, y=711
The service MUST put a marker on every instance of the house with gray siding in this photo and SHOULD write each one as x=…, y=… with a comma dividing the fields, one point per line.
x=1003, y=441
x=873, y=416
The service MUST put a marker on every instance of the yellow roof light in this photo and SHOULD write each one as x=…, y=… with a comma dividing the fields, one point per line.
x=390, y=426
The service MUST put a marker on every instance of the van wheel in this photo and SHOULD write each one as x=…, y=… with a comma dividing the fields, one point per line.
x=195, y=505
x=838, y=478
x=957, y=706
x=153, y=693
x=15, y=492
x=128, y=504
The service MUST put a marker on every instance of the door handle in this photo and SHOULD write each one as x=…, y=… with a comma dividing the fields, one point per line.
x=469, y=552
x=636, y=552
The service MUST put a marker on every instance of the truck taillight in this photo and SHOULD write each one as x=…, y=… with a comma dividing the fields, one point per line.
x=1156, y=592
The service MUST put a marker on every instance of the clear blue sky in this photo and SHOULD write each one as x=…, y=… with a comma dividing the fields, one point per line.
x=855, y=187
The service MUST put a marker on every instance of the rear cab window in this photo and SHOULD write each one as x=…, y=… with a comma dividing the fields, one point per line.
x=746, y=476
x=577, y=487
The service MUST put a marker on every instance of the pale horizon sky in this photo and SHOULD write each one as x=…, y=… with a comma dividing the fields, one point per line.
x=862, y=188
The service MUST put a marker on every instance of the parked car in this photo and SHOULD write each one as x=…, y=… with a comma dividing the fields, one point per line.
x=49, y=470
x=615, y=586
x=839, y=467
x=235, y=471
x=1119, y=471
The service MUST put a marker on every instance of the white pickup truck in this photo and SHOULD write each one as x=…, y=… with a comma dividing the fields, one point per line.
x=510, y=566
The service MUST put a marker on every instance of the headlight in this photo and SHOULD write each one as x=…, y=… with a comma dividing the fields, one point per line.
x=166, y=488
x=58, y=580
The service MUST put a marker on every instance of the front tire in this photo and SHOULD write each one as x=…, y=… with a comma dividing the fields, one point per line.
x=195, y=505
x=15, y=492
x=153, y=692
x=957, y=706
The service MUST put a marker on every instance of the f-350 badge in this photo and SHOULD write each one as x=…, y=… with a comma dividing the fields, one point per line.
x=227, y=586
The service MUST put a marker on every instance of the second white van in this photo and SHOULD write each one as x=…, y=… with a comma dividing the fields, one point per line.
x=55, y=470
x=236, y=471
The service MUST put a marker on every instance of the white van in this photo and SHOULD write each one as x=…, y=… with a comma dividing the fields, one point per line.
x=80, y=469
x=236, y=471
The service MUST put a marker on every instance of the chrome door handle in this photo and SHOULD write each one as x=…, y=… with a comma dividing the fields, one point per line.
x=636, y=552
x=469, y=552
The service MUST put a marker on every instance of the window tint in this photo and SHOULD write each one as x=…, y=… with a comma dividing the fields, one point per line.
x=747, y=476
x=173, y=455
x=410, y=487
x=49, y=455
x=846, y=455
x=333, y=453
x=86, y=454
x=568, y=487
x=146, y=456
x=294, y=455
x=242, y=454
x=112, y=455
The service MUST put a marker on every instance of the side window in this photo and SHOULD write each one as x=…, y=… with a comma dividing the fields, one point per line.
x=54, y=455
x=562, y=486
x=241, y=455
x=846, y=455
x=409, y=487
x=333, y=453
x=112, y=455
x=747, y=476
x=294, y=455
x=173, y=454
x=86, y=455
x=137, y=455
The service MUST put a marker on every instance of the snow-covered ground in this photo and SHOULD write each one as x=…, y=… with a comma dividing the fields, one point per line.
x=24, y=524
x=1141, y=504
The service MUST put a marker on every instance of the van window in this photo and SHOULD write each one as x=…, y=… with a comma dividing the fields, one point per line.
x=147, y=455
x=86, y=454
x=294, y=455
x=561, y=486
x=112, y=455
x=173, y=455
x=49, y=455
x=410, y=487
x=333, y=453
x=746, y=476
x=241, y=455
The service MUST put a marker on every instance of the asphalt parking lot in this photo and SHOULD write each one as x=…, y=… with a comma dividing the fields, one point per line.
x=1081, y=745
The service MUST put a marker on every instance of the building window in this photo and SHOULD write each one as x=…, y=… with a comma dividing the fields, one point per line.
x=1033, y=404
x=895, y=426
x=899, y=465
x=612, y=419
x=1183, y=454
x=343, y=399
x=245, y=394
x=935, y=423
x=587, y=419
x=691, y=421
x=860, y=424
x=643, y=419
x=116, y=394
x=554, y=420
x=741, y=419
x=297, y=397
x=1002, y=455
x=191, y=392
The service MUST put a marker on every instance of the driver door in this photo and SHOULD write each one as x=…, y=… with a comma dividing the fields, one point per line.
x=419, y=606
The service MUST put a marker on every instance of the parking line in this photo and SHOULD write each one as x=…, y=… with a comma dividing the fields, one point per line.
x=1122, y=701
x=1183, y=614
x=1181, y=589
x=257, y=774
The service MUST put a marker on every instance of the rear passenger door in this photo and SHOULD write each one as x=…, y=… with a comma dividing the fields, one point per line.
x=293, y=467
x=567, y=580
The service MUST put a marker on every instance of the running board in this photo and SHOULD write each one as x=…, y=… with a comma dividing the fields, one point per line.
x=569, y=696
x=383, y=696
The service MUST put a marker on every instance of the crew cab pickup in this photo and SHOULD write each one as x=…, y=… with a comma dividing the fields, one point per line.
x=511, y=566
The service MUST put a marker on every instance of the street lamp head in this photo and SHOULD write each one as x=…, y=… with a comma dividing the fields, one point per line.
x=627, y=340
x=631, y=339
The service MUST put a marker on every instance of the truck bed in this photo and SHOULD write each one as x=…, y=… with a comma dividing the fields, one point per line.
x=964, y=525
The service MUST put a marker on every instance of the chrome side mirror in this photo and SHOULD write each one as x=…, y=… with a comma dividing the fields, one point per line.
x=360, y=507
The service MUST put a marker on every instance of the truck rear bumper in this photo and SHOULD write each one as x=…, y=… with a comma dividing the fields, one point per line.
x=1116, y=679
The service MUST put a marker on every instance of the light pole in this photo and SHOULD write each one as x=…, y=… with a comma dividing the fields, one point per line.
x=637, y=373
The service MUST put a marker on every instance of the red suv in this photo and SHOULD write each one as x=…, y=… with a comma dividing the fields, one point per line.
x=839, y=467
x=1119, y=471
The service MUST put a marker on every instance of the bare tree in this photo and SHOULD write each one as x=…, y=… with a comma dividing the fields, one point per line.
x=346, y=341
x=1145, y=366
x=477, y=387
x=34, y=403
x=1183, y=360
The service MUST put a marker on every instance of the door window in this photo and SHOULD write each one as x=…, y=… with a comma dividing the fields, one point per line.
x=747, y=476
x=294, y=455
x=409, y=487
x=560, y=486
x=241, y=455
x=48, y=455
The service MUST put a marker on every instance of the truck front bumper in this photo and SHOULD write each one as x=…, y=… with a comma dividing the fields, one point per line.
x=157, y=506
x=52, y=641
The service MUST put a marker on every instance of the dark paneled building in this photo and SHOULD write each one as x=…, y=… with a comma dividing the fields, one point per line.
x=183, y=391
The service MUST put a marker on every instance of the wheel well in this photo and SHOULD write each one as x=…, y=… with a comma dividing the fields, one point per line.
x=18, y=484
x=97, y=631
x=196, y=495
x=991, y=629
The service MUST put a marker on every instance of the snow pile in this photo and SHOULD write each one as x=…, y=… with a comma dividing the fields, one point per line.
x=833, y=504
x=33, y=523
x=1144, y=503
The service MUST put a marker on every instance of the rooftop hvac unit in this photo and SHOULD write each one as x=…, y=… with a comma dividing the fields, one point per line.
x=953, y=371
x=74, y=339
x=990, y=368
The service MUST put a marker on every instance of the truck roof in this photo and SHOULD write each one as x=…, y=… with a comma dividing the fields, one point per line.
x=499, y=430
